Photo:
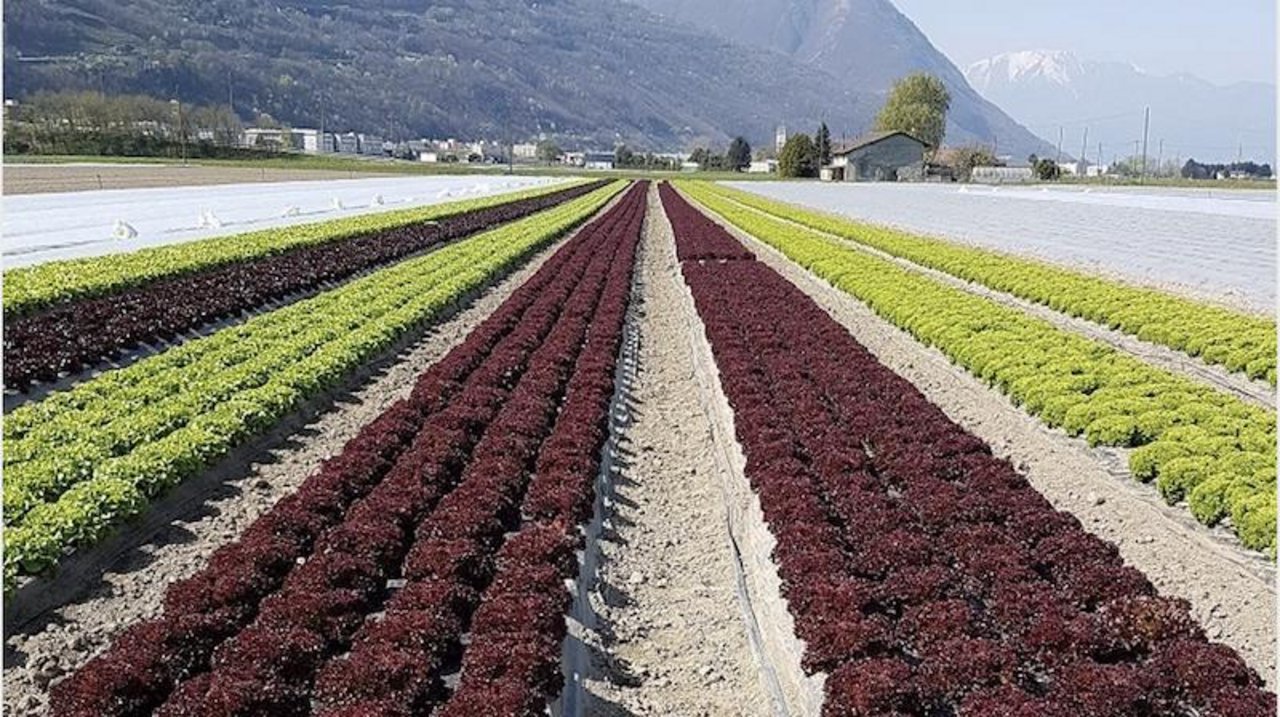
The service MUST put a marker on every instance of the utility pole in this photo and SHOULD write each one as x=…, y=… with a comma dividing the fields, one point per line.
x=1084, y=147
x=182, y=132
x=1058, y=159
x=1160, y=156
x=320, y=148
x=1099, y=157
x=231, y=107
x=1146, y=127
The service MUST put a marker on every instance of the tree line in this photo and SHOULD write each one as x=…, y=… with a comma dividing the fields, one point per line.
x=91, y=123
x=1198, y=170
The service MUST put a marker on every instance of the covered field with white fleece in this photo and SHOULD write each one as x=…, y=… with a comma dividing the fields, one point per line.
x=1215, y=245
x=47, y=227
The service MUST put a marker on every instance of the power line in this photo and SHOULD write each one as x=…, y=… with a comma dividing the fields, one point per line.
x=1085, y=120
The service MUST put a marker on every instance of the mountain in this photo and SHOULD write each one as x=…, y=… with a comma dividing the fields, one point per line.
x=866, y=45
x=584, y=71
x=1195, y=118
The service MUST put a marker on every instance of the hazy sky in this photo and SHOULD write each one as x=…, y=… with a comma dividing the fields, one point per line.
x=1218, y=40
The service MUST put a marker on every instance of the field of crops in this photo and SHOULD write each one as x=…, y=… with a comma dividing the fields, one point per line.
x=437, y=462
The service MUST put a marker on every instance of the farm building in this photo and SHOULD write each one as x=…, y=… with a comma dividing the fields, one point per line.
x=1002, y=175
x=597, y=160
x=878, y=157
x=266, y=138
x=282, y=139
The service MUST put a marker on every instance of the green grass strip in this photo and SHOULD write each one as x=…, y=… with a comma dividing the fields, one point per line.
x=1200, y=446
x=32, y=288
x=81, y=461
x=1239, y=342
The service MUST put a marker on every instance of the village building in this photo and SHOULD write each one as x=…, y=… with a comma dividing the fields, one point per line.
x=878, y=157
x=597, y=160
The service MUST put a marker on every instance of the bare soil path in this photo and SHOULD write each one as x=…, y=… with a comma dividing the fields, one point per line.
x=42, y=178
x=671, y=637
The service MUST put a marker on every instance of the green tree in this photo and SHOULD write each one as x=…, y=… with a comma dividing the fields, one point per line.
x=1046, y=169
x=547, y=151
x=799, y=157
x=917, y=105
x=623, y=156
x=708, y=160
x=968, y=157
x=739, y=155
x=823, y=141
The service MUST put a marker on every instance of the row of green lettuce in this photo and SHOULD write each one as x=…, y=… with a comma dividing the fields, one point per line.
x=32, y=288
x=1239, y=342
x=1199, y=445
x=80, y=461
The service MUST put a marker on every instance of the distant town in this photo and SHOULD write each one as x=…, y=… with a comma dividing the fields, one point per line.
x=86, y=123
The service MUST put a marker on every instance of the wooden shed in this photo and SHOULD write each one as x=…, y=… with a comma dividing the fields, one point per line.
x=880, y=157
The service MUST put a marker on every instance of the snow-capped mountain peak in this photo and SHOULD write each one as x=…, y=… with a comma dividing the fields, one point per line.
x=1058, y=67
x=1054, y=91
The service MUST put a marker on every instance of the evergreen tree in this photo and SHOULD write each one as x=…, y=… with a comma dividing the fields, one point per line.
x=739, y=154
x=799, y=157
x=823, y=142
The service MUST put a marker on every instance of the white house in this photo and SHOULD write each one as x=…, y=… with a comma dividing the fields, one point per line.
x=525, y=150
x=1074, y=169
x=266, y=138
x=370, y=144
x=347, y=143
x=763, y=166
x=597, y=160
x=308, y=140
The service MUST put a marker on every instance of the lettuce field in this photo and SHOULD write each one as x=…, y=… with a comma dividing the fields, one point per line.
x=429, y=462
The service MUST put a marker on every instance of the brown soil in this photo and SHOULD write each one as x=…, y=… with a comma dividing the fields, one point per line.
x=670, y=637
x=41, y=178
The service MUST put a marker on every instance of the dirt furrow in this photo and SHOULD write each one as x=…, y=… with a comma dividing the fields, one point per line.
x=670, y=637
